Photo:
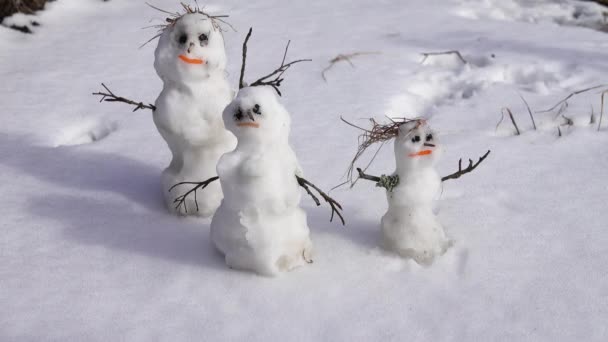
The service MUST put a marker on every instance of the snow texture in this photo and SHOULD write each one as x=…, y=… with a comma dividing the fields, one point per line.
x=191, y=60
x=409, y=226
x=89, y=253
x=259, y=226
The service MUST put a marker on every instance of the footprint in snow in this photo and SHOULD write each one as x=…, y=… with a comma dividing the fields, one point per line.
x=86, y=132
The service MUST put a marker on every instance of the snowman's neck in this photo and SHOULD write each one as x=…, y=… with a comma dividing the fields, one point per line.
x=196, y=86
x=255, y=146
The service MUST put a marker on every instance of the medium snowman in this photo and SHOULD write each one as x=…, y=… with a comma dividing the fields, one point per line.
x=260, y=226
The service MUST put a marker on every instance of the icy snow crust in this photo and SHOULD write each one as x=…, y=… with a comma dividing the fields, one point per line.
x=259, y=226
x=89, y=252
x=188, y=109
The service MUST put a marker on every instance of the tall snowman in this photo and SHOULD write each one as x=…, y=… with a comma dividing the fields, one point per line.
x=409, y=227
x=190, y=59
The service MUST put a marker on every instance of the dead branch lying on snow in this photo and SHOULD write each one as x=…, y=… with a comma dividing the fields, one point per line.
x=109, y=96
x=345, y=58
x=426, y=55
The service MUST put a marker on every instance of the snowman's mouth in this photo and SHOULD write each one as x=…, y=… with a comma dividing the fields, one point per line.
x=420, y=153
x=191, y=60
x=248, y=124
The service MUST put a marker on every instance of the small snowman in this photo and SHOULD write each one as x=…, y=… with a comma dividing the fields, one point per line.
x=259, y=225
x=409, y=227
x=190, y=59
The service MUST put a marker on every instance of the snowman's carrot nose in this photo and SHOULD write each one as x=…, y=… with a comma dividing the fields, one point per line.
x=191, y=60
x=420, y=153
x=248, y=124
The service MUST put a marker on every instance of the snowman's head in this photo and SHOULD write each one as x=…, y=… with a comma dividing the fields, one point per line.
x=416, y=146
x=257, y=118
x=190, y=49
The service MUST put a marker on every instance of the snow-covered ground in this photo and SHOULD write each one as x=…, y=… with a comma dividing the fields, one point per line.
x=88, y=251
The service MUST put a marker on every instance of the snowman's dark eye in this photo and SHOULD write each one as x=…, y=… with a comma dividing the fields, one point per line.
x=203, y=38
x=256, y=109
x=182, y=39
x=416, y=139
x=238, y=115
x=429, y=137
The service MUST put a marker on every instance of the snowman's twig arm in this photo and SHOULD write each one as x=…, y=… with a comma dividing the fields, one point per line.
x=181, y=200
x=335, y=206
x=365, y=176
x=468, y=169
x=111, y=97
x=384, y=181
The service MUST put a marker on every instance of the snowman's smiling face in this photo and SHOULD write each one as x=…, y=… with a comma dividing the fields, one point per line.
x=416, y=146
x=190, y=49
x=256, y=117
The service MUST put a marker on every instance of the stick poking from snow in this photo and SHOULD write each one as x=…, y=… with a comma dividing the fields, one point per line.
x=599, y=125
x=517, y=132
x=529, y=111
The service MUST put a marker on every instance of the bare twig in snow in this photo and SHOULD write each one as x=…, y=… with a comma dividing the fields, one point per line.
x=180, y=201
x=468, y=169
x=109, y=96
x=345, y=58
x=335, y=206
x=426, y=55
x=559, y=131
x=592, y=118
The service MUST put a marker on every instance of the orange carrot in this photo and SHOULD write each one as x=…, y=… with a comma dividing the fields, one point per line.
x=248, y=124
x=421, y=153
x=190, y=60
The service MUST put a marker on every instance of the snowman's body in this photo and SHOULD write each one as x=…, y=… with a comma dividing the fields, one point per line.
x=409, y=227
x=259, y=225
x=190, y=59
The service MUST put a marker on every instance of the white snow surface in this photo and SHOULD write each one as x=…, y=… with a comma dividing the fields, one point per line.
x=89, y=252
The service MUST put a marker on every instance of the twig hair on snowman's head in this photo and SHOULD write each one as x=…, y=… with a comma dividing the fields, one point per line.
x=217, y=21
x=274, y=78
x=379, y=133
